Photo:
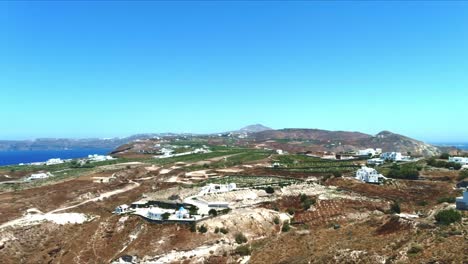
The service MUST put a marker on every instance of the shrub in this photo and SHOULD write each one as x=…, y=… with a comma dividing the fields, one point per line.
x=216, y=230
x=224, y=230
x=446, y=217
x=415, y=248
x=444, y=156
x=291, y=211
x=240, y=238
x=165, y=216
x=395, y=208
x=286, y=227
x=243, y=250
x=193, y=227
x=462, y=175
x=337, y=173
x=446, y=200
x=269, y=189
x=202, y=229
x=276, y=220
x=212, y=212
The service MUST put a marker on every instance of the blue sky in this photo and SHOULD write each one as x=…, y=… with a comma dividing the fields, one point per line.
x=104, y=69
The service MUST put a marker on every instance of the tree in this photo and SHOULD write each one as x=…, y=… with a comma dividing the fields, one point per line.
x=444, y=156
x=446, y=217
x=240, y=238
x=243, y=250
x=337, y=173
x=286, y=227
x=165, y=216
x=193, y=227
x=269, y=189
x=202, y=229
x=193, y=210
x=213, y=212
x=276, y=220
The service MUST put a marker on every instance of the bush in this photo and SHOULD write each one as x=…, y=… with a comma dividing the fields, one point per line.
x=269, y=189
x=212, y=212
x=202, y=229
x=243, y=250
x=291, y=211
x=403, y=172
x=276, y=220
x=337, y=173
x=446, y=217
x=395, y=208
x=444, y=156
x=415, y=248
x=240, y=238
x=216, y=230
x=193, y=227
x=462, y=175
x=446, y=200
x=224, y=230
x=165, y=216
x=286, y=227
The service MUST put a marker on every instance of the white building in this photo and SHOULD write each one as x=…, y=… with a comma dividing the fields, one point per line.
x=155, y=213
x=122, y=209
x=461, y=160
x=393, y=156
x=462, y=202
x=96, y=157
x=369, y=175
x=39, y=176
x=369, y=151
x=182, y=213
x=375, y=161
x=54, y=161
x=217, y=188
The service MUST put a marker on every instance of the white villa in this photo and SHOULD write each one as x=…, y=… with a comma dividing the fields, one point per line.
x=393, y=156
x=369, y=175
x=375, y=161
x=217, y=188
x=462, y=202
x=39, y=176
x=461, y=160
x=369, y=151
x=155, y=213
x=96, y=157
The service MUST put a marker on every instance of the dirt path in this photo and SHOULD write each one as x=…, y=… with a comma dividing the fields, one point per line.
x=27, y=219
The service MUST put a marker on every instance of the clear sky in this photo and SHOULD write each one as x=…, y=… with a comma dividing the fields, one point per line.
x=104, y=69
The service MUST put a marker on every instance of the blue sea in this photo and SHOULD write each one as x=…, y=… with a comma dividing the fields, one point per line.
x=28, y=156
x=460, y=145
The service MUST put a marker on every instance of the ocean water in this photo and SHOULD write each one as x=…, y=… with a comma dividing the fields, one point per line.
x=460, y=145
x=27, y=156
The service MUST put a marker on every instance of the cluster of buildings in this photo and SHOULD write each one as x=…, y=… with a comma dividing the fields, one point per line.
x=167, y=152
x=96, y=157
x=192, y=208
x=460, y=160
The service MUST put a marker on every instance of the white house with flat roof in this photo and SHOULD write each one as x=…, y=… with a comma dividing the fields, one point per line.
x=217, y=188
x=393, y=156
x=369, y=175
x=375, y=161
x=460, y=160
x=369, y=151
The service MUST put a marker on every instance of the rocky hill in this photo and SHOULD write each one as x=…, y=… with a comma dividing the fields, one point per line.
x=324, y=140
x=254, y=128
